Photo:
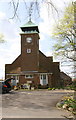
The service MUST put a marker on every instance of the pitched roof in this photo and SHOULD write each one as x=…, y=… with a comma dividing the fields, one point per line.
x=29, y=24
x=30, y=27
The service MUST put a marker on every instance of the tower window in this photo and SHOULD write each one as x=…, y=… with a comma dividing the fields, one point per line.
x=28, y=50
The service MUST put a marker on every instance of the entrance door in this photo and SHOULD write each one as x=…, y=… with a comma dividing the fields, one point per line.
x=16, y=80
x=43, y=79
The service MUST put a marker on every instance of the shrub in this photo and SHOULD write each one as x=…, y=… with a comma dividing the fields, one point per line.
x=53, y=88
x=49, y=88
x=42, y=86
x=72, y=86
x=69, y=102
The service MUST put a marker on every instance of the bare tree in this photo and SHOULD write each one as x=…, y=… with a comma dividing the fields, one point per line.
x=31, y=6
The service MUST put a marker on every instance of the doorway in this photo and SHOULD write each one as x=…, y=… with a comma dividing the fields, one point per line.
x=43, y=79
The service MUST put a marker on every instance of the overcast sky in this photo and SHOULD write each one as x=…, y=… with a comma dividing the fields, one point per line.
x=11, y=29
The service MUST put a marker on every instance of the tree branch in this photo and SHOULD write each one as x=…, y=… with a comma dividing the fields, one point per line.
x=15, y=9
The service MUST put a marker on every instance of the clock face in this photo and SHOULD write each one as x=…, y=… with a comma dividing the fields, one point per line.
x=28, y=39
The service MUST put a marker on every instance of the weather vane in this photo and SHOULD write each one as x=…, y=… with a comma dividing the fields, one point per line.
x=30, y=14
x=30, y=11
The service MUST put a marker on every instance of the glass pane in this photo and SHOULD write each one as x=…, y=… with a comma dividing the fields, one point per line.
x=44, y=77
x=28, y=50
x=28, y=76
x=31, y=76
x=41, y=76
x=44, y=82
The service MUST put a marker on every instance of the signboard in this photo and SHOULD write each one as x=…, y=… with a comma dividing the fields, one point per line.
x=29, y=81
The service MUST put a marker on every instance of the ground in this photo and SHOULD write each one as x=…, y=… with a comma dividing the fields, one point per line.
x=33, y=104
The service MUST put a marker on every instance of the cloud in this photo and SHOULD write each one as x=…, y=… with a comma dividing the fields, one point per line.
x=8, y=53
x=49, y=53
x=11, y=48
x=2, y=15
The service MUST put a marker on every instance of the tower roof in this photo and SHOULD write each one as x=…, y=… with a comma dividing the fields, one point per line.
x=29, y=26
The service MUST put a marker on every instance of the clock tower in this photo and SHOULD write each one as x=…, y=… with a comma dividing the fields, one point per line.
x=32, y=66
x=30, y=47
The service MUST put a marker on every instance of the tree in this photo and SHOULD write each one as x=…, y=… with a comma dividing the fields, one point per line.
x=65, y=35
x=64, y=29
x=2, y=38
x=32, y=6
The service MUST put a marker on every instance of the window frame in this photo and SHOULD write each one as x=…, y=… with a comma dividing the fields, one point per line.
x=28, y=50
x=28, y=76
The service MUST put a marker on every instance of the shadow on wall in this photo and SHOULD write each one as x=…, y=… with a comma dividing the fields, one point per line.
x=66, y=80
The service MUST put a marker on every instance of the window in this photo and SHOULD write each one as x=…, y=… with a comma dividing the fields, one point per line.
x=28, y=50
x=16, y=79
x=28, y=76
x=43, y=79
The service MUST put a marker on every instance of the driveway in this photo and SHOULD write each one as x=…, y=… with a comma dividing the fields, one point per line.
x=33, y=104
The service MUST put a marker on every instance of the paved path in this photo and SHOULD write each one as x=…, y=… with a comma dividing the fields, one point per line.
x=0, y=106
x=33, y=104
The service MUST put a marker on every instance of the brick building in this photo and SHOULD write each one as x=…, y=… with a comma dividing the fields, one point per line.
x=66, y=80
x=32, y=66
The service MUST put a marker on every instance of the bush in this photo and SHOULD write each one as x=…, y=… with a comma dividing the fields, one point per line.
x=72, y=86
x=53, y=88
x=42, y=87
x=49, y=88
x=69, y=102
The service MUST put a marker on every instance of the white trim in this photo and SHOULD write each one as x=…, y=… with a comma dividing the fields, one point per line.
x=12, y=74
x=46, y=73
x=28, y=72
x=34, y=32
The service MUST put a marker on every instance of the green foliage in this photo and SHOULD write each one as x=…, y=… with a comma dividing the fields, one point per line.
x=2, y=38
x=51, y=88
x=71, y=87
x=69, y=102
x=64, y=33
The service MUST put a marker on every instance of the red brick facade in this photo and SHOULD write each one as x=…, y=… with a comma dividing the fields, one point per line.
x=32, y=65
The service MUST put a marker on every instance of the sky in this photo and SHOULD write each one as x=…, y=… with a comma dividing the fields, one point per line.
x=10, y=28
